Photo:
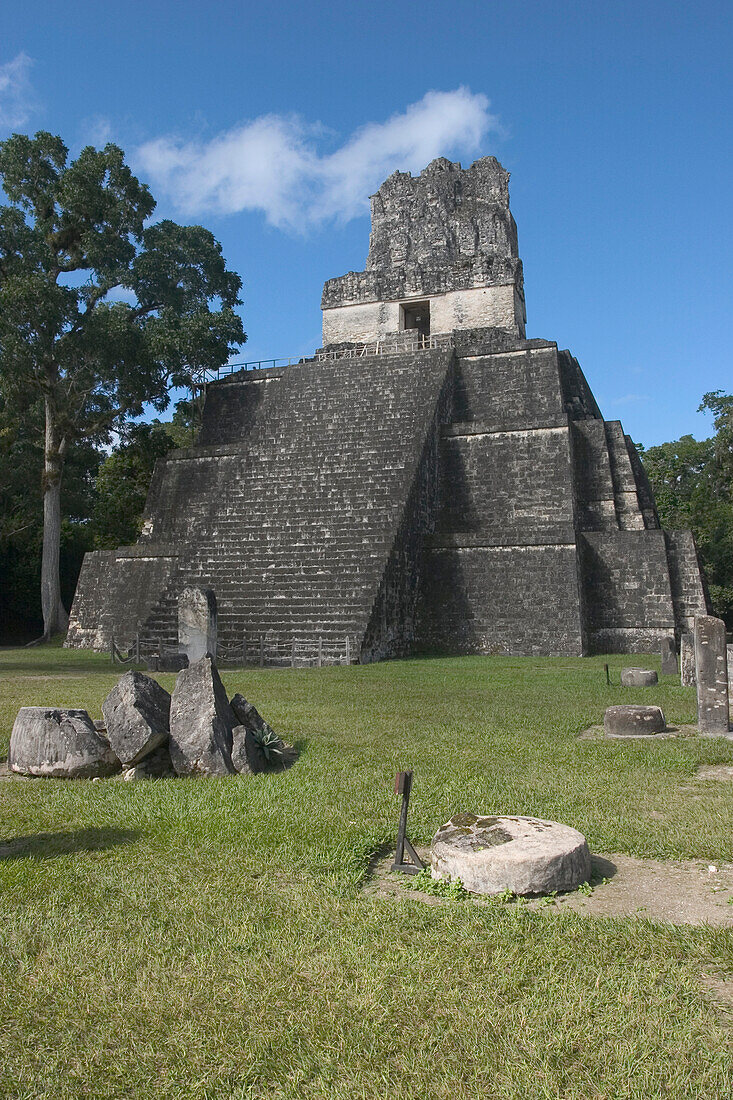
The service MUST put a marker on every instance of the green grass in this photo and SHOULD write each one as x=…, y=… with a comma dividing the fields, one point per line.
x=209, y=938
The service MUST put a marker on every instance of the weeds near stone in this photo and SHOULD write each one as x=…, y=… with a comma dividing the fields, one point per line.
x=440, y=888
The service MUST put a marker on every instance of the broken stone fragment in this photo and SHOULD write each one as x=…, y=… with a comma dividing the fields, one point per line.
x=137, y=716
x=638, y=677
x=201, y=722
x=156, y=766
x=252, y=738
x=250, y=717
x=633, y=721
x=248, y=756
x=59, y=744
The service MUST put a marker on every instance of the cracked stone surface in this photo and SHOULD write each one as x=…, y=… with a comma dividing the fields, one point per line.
x=59, y=744
x=524, y=855
x=201, y=722
x=137, y=717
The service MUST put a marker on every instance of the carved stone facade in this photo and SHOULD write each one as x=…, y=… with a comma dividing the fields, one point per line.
x=457, y=492
x=446, y=239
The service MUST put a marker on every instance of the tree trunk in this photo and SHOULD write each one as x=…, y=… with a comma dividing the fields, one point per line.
x=55, y=618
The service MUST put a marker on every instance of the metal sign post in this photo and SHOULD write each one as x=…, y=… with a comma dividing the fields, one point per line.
x=403, y=786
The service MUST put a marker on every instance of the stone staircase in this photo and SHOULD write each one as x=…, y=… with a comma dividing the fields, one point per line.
x=307, y=505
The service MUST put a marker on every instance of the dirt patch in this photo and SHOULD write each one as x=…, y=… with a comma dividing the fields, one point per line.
x=671, y=891
x=5, y=773
x=721, y=772
x=597, y=733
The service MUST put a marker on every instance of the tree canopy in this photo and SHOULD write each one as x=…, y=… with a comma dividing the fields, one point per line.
x=101, y=313
x=693, y=485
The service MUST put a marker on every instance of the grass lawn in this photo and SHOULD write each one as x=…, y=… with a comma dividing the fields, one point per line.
x=209, y=938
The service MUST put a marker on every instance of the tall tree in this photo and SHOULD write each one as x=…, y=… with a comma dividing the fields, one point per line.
x=100, y=313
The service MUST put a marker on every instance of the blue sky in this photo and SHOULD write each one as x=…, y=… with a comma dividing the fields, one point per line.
x=272, y=122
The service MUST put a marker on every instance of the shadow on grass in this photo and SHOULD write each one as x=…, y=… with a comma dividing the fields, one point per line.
x=51, y=845
x=290, y=756
x=602, y=868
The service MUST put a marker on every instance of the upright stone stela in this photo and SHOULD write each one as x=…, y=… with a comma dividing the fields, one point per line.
x=429, y=480
x=669, y=657
x=197, y=632
x=687, y=659
x=711, y=674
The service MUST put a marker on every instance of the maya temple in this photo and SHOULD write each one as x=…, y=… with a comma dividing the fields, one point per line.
x=431, y=481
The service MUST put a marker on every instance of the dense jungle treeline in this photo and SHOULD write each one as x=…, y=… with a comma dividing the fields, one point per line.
x=104, y=497
x=693, y=485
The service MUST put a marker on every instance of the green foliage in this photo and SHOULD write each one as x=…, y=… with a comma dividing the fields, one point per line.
x=73, y=239
x=693, y=485
x=122, y=485
x=21, y=519
x=101, y=313
x=271, y=745
x=452, y=889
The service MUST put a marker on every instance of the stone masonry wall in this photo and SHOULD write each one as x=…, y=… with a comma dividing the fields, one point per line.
x=447, y=235
x=628, y=592
x=469, y=498
x=503, y=571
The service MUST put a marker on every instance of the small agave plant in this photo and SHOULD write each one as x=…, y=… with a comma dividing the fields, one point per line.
x=271, y=745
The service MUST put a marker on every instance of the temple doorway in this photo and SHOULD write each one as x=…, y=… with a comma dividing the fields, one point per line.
x=417, y=316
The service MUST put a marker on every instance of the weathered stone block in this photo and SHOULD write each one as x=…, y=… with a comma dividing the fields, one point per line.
x=201, y=722
x=59, y=744
x=249, y=716
x=197, y=623
x=711, y=674
x=633, y=721
x=687, y=660
x=638, y=677
x=522, y=854
x=137, y=716
x=669, y=657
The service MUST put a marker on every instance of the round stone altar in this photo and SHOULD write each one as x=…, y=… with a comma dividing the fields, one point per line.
x=524, y=855
x=633, y=720
x=638, y=677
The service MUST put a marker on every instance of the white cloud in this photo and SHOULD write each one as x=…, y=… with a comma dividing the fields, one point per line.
x=17, y=99
x=272, y=164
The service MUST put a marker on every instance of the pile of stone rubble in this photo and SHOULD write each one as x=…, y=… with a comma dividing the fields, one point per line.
x=146, y=733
